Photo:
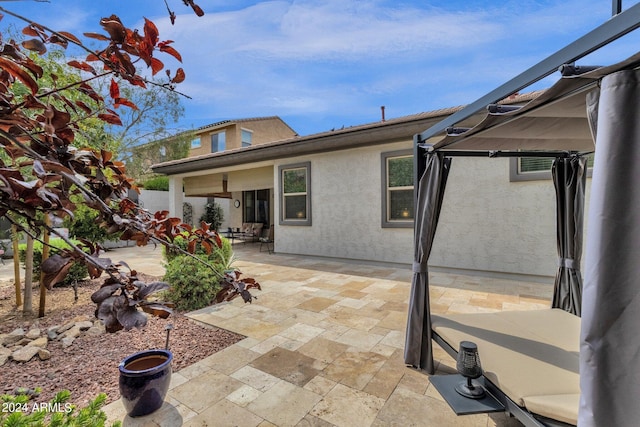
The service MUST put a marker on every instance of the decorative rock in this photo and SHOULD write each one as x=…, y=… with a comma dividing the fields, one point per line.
x=12, y=338
x=52, y=332
x=33, y=333
x=23, y=342
x=18, y=331
x=40, y=342
x=65, y=327
x=4, y=355
x=73, y=333
x=67, y=341
x=25, y=353
x=44, y=354
x=95, y=330
x=84, y=325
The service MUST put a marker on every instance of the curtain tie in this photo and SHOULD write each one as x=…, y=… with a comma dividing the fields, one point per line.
x=419, y=267
x=569, y=263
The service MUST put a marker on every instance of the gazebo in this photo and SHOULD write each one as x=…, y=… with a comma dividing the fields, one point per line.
x=589, y=109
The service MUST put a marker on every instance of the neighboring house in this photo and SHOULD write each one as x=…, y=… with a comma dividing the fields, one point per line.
x=349, y=193
x=213, y=138
x=232, y=134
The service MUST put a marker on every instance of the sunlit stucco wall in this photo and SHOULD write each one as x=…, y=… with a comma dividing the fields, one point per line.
x=488, y=223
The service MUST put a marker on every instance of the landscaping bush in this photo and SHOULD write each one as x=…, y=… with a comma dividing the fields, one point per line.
x=222, y=255
x=77, y=273
x=213, y=215
x=160, y=183
x=83, y=225
x=193, y=285
x=24, y=412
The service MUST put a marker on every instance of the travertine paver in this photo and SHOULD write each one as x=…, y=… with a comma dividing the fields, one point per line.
x=324, y=347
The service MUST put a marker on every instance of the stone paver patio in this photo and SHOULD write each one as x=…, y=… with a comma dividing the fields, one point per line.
x=324, y=347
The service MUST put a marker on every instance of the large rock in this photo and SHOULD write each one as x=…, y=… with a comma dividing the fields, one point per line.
x=25, y=353
x=52, y=332
x=39, y=342
x=74, y=332
x=84, y=325
x=11, y=338
x=33, y=333
x=65, y=327
x=67, y=341
x=4, y=355
x=44, y=354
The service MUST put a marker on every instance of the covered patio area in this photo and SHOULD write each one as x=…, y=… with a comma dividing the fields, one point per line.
x=324, y=347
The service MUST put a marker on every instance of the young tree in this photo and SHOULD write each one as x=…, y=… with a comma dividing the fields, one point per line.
x=157, y=109
x=43, y=172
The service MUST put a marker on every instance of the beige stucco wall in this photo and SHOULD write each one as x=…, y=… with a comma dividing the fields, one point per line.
x=345, y=211
x=488, y=223
x=263, y=130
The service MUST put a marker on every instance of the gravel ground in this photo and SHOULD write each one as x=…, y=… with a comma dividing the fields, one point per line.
x=90, y=365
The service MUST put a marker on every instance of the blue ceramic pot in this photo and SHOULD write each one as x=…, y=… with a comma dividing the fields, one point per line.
x=144, y=381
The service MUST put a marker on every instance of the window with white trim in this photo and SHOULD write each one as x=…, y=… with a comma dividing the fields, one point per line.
x=218, y=141
x=536, y=168
x=246, y=136
x=295, y=194
x=195, y=143
x=397, y=189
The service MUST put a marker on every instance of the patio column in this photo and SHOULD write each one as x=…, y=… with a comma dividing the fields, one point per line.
x=418, y=350
x=176, y=197
x=609, y=344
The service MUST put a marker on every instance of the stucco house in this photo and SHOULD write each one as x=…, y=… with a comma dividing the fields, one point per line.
x=212, y=138
x=348, y=193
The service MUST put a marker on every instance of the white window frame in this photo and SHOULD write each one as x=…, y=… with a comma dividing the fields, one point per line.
x=196, y=143
x=516, y=174
x=295, y=221
x=244, y=143
x=222, y=135
x=386, y=221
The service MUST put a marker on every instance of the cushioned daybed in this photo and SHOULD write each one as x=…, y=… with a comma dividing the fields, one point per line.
x=529, y=356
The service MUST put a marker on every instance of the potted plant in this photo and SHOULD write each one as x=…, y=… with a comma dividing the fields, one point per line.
x=121, y=300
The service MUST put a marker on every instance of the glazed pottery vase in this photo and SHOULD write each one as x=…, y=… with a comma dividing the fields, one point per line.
x=144, y=381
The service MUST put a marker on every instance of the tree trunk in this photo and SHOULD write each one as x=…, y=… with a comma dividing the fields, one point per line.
x=45, y=255
x=28, y=277
x=16, y=264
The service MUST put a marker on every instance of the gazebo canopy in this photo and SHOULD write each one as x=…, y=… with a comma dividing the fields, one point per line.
x=588, y=108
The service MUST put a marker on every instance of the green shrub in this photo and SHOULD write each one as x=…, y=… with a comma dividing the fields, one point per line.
x=213, y=215
x=83, y=225
x=160, y=183
x=193, y=285
x=77, y=272
x=222, y=255
x=59, y=412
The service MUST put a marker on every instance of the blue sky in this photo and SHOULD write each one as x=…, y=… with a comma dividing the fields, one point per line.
x=322, y=64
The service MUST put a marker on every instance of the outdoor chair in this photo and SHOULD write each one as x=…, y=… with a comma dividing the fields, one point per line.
x=267, y=240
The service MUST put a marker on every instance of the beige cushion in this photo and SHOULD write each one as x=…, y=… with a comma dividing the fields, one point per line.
x=257, y=229
x=524, y=353
x=561, y=407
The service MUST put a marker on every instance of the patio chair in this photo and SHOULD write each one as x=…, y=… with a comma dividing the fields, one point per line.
x=267, y=240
